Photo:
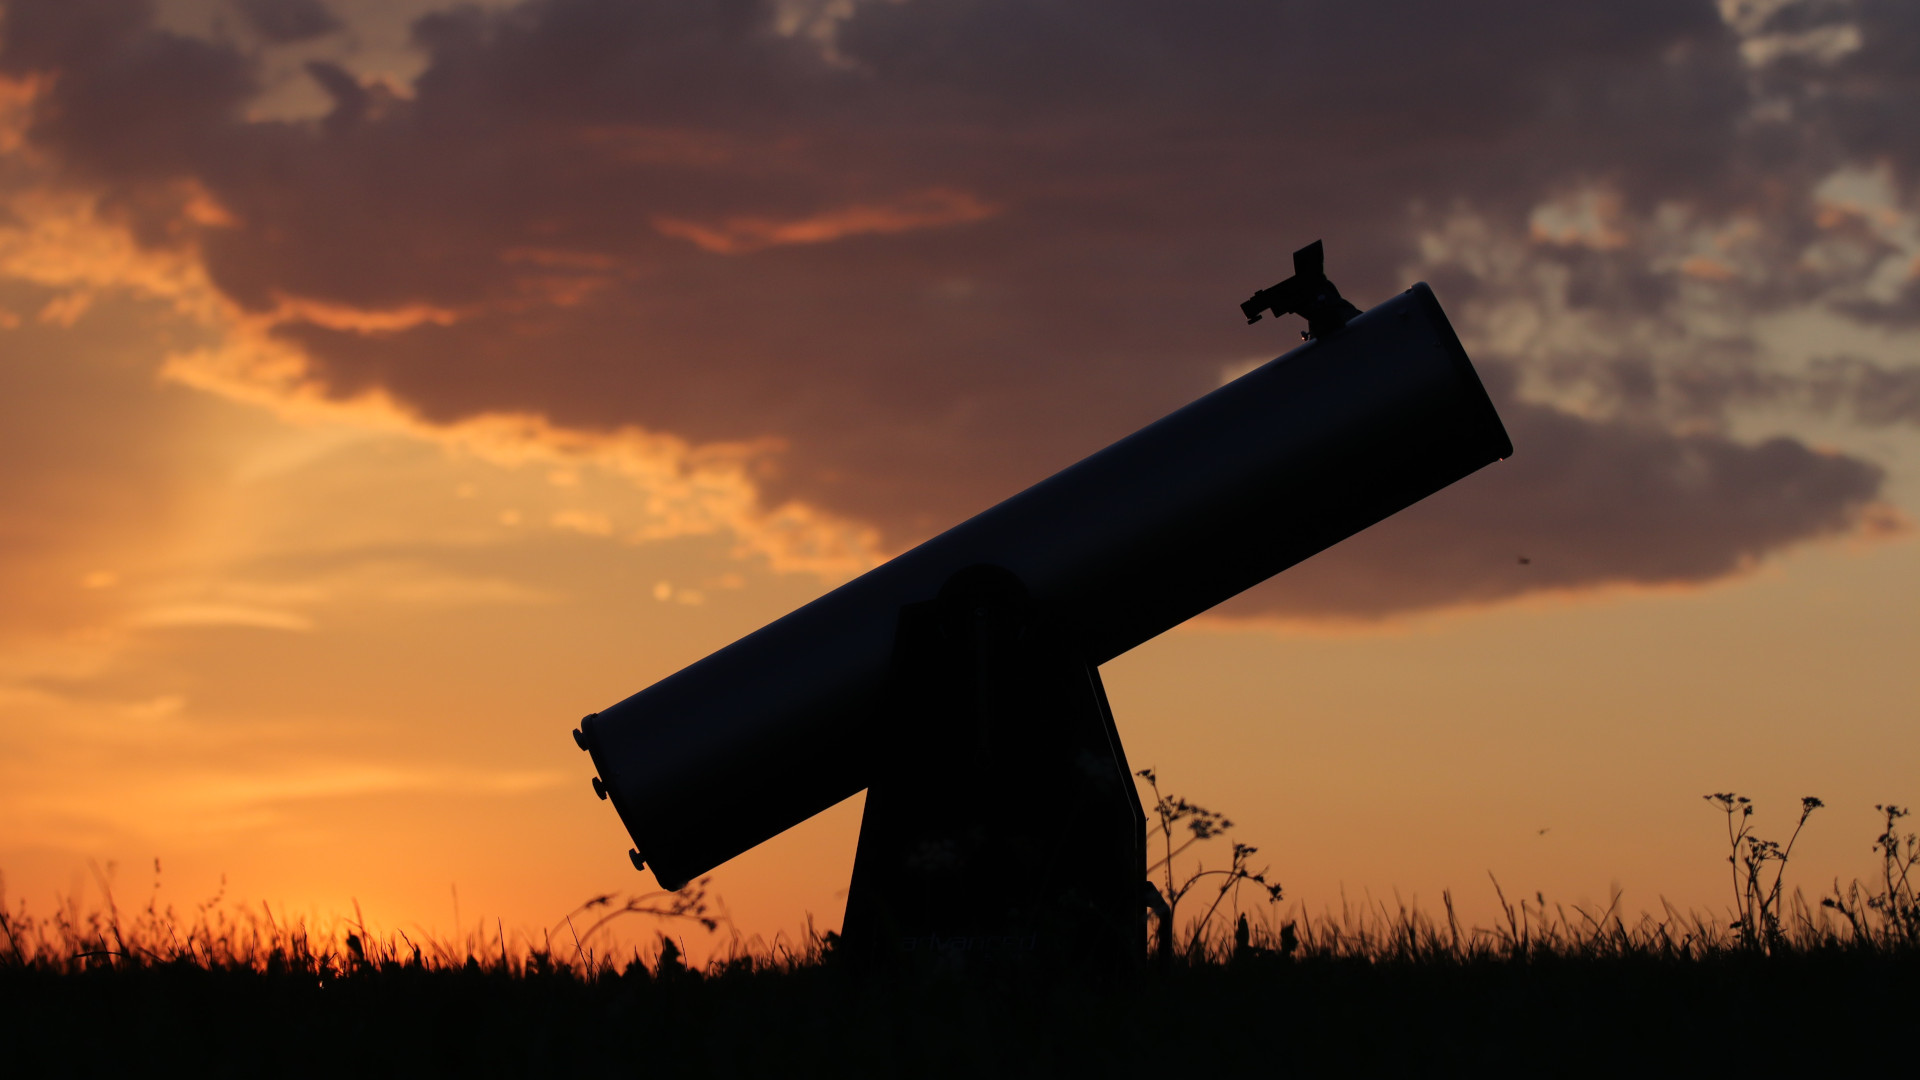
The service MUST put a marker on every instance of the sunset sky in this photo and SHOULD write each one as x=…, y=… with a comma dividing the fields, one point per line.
x=384, y=384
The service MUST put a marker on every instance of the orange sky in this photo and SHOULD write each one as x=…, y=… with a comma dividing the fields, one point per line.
x=311, y=565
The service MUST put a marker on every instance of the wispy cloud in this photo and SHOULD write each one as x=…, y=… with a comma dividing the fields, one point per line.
x=171, y=616
x=738, y=235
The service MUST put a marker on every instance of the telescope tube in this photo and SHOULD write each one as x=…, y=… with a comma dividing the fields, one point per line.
x=1202, y=504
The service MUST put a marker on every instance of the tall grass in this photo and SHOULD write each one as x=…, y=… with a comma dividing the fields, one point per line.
x=1875, y=917
x=217, y=934
x=235, y=989
x=1880, y=917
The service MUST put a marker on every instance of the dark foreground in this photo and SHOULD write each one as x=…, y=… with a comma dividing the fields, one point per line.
x=1551, y=1015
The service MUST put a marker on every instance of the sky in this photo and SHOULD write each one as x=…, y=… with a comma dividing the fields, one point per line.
x=385, y=385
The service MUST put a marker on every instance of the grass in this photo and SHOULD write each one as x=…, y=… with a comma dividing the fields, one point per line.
x=1775, y=981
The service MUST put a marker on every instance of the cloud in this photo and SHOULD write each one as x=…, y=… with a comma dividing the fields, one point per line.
x=924, y=253
x=209, y=615
x=1587, y=504
x=348, y=780
x=286, y=21
x=734, y=236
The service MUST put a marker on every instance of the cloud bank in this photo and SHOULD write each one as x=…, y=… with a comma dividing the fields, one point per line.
x=934, y=250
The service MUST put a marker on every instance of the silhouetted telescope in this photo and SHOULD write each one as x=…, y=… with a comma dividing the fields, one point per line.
x=959, y=681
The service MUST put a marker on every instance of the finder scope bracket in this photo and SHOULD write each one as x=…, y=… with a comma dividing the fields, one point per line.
x=1307, y=292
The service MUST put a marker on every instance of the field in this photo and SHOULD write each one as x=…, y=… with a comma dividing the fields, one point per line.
x=1776, y=983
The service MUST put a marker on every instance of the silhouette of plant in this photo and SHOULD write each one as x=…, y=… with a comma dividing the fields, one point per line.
x=1881, y=919
x=221, y=937
x=1898, y=857
x=1201, y=824
x=1757, y=903
x=1894, y=908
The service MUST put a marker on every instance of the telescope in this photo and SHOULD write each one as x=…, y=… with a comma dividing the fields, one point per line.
x=959, y=682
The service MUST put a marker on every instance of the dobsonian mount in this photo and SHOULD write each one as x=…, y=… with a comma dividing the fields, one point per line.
x=1001, y=825
x=959, y=682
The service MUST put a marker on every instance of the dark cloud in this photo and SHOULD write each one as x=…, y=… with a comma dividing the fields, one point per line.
x=1702, y=395
x=1864, y=106
x=1587, y=503
x=974, y=240
x=284, y=22
x=126, y=103
x=1867, y=392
